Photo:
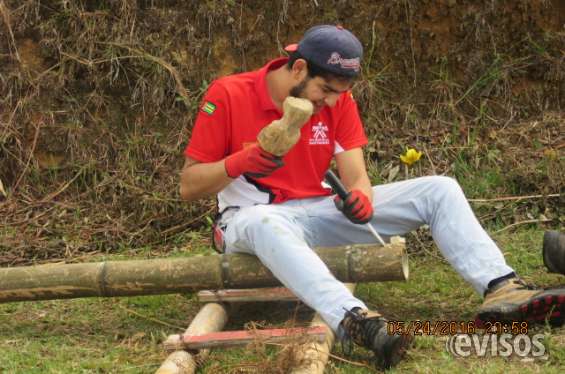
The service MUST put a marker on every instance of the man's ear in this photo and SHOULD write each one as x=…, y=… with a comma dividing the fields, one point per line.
x=299, y=69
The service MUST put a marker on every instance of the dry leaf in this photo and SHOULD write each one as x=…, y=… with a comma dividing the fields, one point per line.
x=393, y=173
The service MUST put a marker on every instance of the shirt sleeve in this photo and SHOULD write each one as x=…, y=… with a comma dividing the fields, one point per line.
x=208, y=141
x=349, y=133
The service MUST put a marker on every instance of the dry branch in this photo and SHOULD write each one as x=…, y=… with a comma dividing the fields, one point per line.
x=6, y=17
x=513, y=198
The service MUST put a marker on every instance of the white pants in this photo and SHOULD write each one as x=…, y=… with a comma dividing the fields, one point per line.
x=282, y=236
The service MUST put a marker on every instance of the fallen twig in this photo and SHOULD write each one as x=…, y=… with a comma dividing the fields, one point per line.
x=63, y=188
x=6, y=16
x=33, y=145
x=87, y=62
x=517, y=198
x=150, y=319
x=186, y=224
x=28, y=220
x=355, y=363
x=523, y=222
x=430, y=160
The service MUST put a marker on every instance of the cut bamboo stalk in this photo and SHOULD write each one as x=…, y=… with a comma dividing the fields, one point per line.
x=312, y=357
x=211, y=317
x=247, y=295
x=225, y=339
x=361, y=263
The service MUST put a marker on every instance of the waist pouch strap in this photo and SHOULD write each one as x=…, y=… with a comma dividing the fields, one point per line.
x=219, y=229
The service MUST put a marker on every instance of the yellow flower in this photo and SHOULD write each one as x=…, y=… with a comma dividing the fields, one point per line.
x=411, y=156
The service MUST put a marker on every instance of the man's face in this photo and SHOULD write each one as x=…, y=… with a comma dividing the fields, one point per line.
x=320, y=91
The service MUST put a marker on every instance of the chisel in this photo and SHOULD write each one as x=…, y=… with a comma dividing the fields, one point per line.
x=340, y=190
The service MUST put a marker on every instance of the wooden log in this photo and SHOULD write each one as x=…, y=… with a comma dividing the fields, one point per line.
x=313, y=356
x=224, y=339
x=247, y=295
x=211, y=317
x=361, y=263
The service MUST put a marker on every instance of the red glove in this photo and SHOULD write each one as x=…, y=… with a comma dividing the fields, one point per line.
x=252, y=161
x=357, y=207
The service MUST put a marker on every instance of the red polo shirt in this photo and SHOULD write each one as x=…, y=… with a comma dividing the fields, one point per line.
x=237, y=107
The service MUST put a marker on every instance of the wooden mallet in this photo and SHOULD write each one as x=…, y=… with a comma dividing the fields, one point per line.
x=281, y=135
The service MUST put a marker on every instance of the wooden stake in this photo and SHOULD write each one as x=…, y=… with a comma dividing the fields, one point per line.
x=211, y=317
x=314, y=356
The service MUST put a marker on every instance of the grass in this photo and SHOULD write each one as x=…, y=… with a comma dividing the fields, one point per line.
x=124, y=334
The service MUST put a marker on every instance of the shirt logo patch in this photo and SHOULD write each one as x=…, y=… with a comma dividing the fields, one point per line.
x=208, y=108
x=319, y=135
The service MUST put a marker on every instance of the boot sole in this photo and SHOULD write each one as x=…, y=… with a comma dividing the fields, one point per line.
x=396, y=351
x=548, y=306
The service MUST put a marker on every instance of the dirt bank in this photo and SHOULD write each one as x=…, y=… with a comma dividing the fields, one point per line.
x=97, y=99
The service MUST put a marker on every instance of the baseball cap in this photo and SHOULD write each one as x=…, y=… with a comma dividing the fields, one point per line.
x=331, y=48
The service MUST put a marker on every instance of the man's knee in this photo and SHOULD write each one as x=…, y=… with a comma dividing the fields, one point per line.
x=446, y=187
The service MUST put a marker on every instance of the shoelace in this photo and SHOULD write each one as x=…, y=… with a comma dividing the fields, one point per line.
x=367, y=327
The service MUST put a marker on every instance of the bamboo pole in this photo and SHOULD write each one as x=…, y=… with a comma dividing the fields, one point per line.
x=361, y=263
x=313, y=356
x=211, y=317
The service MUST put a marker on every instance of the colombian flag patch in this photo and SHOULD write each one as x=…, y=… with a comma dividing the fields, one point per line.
x=208, y=108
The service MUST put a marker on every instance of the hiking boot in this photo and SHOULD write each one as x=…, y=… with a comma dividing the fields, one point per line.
x=513, y=300
x=369, y=330
x=554, y=251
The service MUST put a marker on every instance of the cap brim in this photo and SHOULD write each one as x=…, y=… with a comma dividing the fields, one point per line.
x=291, y=47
